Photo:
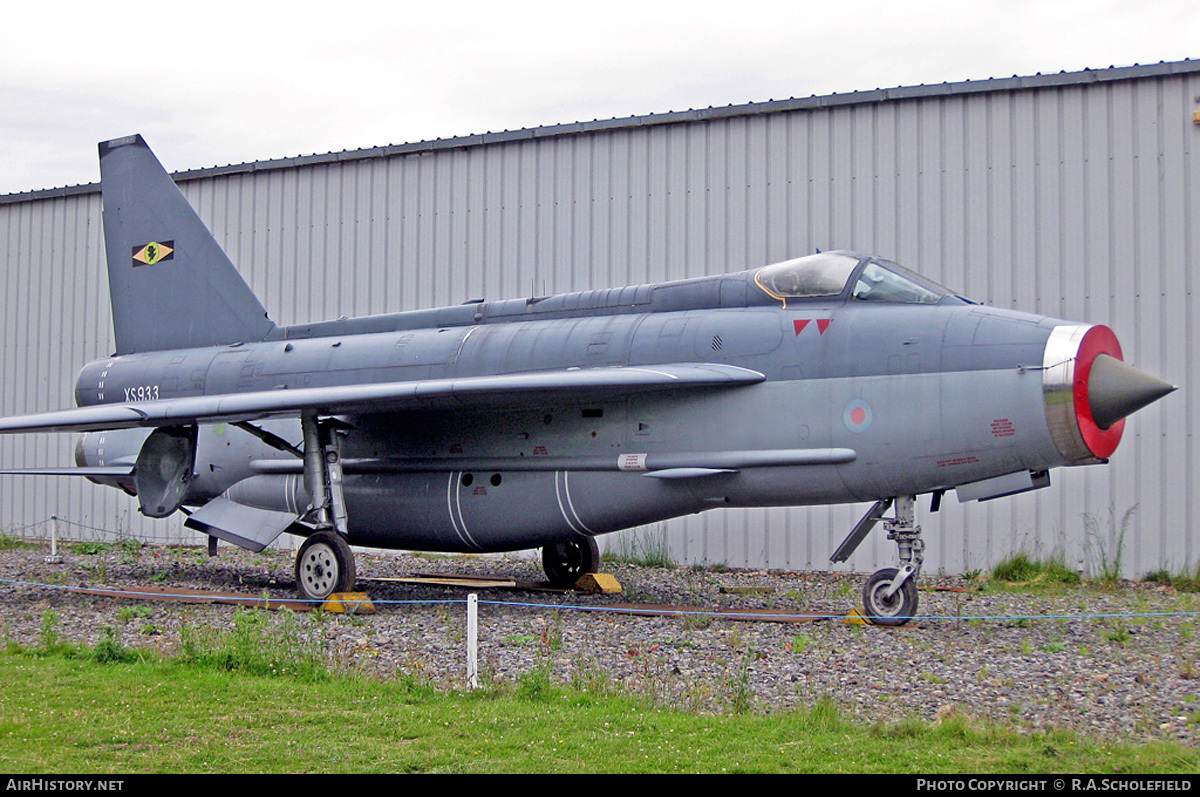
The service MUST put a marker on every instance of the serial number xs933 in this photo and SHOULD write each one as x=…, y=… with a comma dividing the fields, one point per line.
x=142, y=393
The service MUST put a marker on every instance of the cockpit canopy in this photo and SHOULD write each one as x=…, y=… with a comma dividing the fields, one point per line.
x=841, y=274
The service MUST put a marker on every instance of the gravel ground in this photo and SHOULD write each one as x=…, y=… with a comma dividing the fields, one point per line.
x=1109, y=676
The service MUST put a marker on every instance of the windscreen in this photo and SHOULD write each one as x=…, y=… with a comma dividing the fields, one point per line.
x=888, y=282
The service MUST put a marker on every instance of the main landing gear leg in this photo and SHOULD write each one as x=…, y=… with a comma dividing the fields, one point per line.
x=890, y=594
x=325, y=563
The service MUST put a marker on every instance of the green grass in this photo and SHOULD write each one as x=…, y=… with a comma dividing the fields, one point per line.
x=645, y=546
x=1184, y=582
x=217, y=709
x=10, y=543
x=262, y=645
x=1024, y=570
x=1106, y=546
x=128, y=545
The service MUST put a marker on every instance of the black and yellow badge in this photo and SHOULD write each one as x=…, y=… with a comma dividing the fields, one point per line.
x=153, y=253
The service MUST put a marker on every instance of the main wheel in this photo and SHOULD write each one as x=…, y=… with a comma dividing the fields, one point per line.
x=324, y=565
x=565, y=562
x=882, y=610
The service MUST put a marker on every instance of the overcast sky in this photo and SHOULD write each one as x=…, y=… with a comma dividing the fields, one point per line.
x=221, y=82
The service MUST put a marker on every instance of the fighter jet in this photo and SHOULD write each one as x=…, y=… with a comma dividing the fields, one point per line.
x=546, y=421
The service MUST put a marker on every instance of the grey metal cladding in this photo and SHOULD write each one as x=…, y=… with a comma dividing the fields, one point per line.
x=1071, y=195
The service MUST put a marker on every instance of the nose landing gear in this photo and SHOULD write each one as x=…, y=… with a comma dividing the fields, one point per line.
x=890, y=594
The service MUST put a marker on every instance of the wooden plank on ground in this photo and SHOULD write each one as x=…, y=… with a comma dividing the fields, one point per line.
x=178, y=595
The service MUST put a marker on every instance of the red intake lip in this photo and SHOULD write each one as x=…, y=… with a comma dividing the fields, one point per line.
x=1066, y=369
x=1100, y=441
x=1089, y=389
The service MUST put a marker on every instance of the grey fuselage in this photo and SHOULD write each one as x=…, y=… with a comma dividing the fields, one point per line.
x=888, y=398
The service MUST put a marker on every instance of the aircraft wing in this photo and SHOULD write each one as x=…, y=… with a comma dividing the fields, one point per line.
x=497, y=391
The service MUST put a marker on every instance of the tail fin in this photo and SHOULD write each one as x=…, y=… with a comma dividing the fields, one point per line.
x=172, y=286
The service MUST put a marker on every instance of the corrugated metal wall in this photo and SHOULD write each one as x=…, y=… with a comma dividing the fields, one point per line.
x=1072, y=196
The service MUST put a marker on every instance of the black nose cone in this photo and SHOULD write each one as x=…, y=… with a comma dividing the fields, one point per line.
x=1117, y=389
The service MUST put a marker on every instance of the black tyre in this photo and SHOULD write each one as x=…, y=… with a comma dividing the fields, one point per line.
x=324, y=565
x=882, y=610
x=565, y=562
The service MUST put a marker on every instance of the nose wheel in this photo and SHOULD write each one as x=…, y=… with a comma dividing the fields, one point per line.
x=888, y=601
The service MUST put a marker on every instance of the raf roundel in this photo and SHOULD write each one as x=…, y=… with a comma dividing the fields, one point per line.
x=858, y=416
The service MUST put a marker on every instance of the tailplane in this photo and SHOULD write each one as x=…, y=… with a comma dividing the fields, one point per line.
x=172, y=286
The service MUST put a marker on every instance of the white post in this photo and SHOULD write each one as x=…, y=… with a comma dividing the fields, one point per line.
x=54, y=558
x=473, y=640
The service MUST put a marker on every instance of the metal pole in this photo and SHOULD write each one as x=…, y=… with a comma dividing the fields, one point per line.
x=54, y=558
x=473, y=640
